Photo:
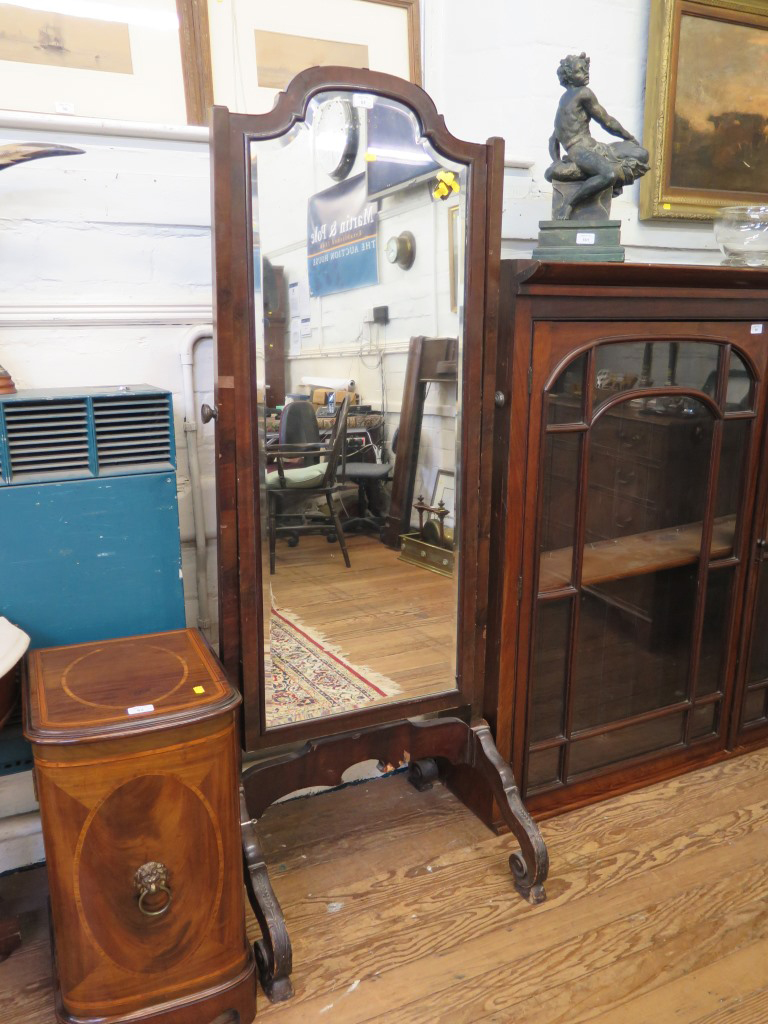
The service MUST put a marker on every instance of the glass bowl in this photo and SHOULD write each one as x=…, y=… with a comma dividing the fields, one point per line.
x=742, y=234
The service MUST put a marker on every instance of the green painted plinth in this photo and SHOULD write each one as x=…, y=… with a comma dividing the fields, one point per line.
x=583, y=241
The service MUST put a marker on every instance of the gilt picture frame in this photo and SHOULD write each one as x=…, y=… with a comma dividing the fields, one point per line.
x=706, y=108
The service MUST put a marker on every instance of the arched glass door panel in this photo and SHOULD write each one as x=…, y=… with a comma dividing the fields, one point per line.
x=642, y=471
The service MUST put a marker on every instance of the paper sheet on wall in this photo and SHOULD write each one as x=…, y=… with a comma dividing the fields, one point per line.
x=299, y=308
x=294, y=341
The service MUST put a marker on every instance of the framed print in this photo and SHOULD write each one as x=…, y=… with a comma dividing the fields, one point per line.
x=706, y=112
x=142, y=60
x=257, y=49
x=445, y=491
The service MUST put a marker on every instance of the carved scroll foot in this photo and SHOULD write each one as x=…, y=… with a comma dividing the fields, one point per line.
x=274, y=957
x=533, y=893
x=530, y=866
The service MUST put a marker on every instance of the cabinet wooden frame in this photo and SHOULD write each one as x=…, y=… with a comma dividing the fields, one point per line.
x=240, y=568
x=647, y=302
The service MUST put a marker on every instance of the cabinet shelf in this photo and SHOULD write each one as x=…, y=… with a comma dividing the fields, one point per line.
x=637, y=554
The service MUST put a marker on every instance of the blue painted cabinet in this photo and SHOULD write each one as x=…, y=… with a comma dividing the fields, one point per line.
x=89, y=525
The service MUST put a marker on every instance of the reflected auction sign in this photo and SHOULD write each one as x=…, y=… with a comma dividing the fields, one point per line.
x=341, y=238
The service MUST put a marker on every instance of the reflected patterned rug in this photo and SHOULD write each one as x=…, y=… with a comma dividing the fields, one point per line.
x=311, y=679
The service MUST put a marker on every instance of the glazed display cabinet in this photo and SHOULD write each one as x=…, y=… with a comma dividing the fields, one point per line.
x=633, y=605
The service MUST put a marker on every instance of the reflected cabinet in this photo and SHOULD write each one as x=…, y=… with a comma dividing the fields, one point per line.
x=631, y=609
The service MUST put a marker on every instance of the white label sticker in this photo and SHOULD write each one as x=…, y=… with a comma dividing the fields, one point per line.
x=756, y=329
x=141, y=709
x=64, y=108
x=362, y=99
x=585, y=238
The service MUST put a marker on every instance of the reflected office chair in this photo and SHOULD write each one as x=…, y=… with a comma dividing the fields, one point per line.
x=366, y=475
x=300, y=475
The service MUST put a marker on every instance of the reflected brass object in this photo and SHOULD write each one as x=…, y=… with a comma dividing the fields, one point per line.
x=428, y=556
x=438, y=512
x=432, y=534
x=401, y=250
x=432, y=546
x=149, y=879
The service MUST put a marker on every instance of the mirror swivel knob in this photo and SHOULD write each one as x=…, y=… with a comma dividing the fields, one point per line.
x=207, y=413
x=500, y=399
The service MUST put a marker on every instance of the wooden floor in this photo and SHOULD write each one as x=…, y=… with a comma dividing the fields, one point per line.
x=401, y=909
x=383, y=615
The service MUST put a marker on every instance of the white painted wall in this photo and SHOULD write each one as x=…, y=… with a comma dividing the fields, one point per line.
x=105, y=258
x=492, y=70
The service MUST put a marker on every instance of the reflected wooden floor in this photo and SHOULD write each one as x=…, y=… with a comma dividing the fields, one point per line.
x=394, y=619
x=401, y=908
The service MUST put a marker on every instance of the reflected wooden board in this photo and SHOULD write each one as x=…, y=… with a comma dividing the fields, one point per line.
x=636, y=555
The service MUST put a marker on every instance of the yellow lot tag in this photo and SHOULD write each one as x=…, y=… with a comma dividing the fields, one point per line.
x=198, y=689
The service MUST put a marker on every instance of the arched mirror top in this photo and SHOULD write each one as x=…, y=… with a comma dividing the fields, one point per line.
x=297, y=103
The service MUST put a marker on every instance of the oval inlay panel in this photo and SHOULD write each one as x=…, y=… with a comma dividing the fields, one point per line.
x=150, y=818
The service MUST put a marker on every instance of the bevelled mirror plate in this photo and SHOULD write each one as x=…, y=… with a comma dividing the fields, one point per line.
x=358, y=228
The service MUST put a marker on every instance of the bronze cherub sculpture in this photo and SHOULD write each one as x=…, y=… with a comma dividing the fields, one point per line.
x=595, y=170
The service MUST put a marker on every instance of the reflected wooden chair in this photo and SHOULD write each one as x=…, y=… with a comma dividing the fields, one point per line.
x=291, y=485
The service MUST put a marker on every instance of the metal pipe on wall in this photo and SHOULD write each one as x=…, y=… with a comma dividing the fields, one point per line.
x=202, y=332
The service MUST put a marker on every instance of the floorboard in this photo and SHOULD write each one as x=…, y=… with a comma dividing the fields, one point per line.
x=401, y=908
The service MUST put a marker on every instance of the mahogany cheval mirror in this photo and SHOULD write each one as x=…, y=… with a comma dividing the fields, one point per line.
x=384, y=229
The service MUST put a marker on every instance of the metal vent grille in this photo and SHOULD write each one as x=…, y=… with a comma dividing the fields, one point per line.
x=132, y=430
x=47, y=437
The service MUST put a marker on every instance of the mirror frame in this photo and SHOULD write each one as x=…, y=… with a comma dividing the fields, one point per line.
x=237, y=453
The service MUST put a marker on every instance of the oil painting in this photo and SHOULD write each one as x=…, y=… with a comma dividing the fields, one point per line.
x=720, y=131
x=706, y=119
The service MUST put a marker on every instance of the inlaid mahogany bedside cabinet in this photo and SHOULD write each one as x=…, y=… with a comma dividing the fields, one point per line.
x=137, y=771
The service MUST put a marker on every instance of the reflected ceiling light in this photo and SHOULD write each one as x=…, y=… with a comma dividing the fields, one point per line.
x=132, y=14
x=396, y=155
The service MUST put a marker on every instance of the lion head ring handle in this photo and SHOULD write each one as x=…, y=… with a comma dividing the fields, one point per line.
x=152, y=878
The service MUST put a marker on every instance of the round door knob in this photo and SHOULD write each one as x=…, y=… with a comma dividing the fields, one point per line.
x=207, y=413
x=500, y=399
